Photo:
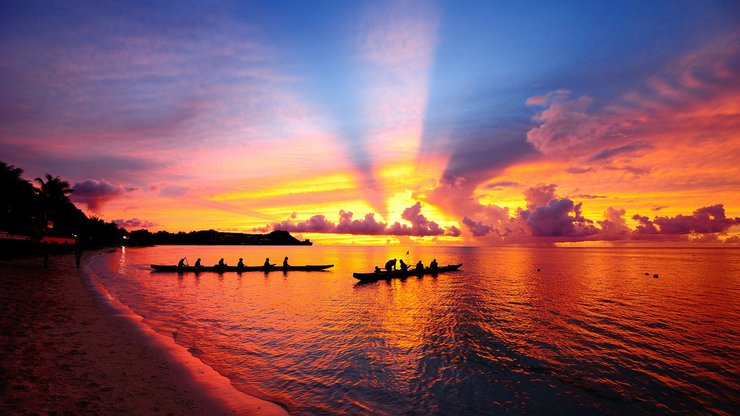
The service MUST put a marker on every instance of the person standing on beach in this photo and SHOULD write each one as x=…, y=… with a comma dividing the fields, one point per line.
x=78, y=253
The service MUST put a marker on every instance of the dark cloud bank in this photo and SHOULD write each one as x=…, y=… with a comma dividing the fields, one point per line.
x=548, y=218
x=552, y=218
x=368, y=225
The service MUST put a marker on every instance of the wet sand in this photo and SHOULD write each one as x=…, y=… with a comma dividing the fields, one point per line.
x=64, y=350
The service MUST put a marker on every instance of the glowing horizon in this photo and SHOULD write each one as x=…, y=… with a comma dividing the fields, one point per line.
x=465, y=123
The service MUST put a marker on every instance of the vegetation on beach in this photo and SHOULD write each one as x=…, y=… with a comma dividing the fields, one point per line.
x=33, y=211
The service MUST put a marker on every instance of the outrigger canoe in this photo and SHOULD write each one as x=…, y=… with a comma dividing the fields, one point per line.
x=222, y=269
x=399, y=273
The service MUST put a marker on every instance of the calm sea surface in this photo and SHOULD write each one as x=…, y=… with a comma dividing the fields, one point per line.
x=588, y=334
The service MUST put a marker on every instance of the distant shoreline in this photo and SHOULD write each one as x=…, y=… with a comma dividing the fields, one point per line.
x=212, y=238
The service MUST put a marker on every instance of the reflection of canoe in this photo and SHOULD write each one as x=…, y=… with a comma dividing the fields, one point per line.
x=399, y=273
x=174, y=268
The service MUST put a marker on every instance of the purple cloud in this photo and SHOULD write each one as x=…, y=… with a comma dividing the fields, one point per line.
x=554, y=220
x=172, y=191
x=578, y=171
x=501, y=184
x=628, y=148
x=134, y=223
x=589, y=196
x=645, y=225
x=315, y=224
x=634, y=170
x=452, y=231
x=95, y=193
x=706, y=220
x=478, y=229
x=368, y=225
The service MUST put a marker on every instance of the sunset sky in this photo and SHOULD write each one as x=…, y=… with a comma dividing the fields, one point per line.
x=375, y=122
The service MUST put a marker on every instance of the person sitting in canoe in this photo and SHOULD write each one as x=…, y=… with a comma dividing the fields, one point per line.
x=267, y=264
x=404, y=267
x=285, y=263
x=181, y=263
x=377, y=269
x=221, y=263
x=240, y=265
x=390, y=265
x=419, y=266
x=197, y=263
x=433, y=265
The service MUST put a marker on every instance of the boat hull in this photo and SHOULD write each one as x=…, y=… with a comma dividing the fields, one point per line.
x=401, y=274
x=223, y=269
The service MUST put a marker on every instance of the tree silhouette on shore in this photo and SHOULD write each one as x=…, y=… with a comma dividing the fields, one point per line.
x=54, y=197
x=47, y=210
x=19, y=204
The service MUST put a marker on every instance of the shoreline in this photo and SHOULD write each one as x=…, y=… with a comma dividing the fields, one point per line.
x=67, y=346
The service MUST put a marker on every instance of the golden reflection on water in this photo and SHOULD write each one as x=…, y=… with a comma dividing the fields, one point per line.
x=588, y=333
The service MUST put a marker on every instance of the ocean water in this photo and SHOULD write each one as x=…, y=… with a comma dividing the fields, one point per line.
x=591, y=333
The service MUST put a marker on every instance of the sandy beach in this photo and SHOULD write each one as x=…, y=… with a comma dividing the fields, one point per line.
x=67, y=351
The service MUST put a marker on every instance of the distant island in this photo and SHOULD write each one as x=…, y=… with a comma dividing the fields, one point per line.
x=213, y=238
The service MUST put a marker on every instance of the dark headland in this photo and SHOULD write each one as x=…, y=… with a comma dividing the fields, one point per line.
x=213, y=237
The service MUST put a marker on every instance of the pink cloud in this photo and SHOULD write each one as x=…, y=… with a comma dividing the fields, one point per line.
x=539, y=195
x=697, y=94
x=420, y=226
x=536, y=100
x=565, y=124
x=614, y=225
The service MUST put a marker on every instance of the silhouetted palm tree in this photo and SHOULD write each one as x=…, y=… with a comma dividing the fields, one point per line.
x=54, y=194
x=10, y=174
x=17, y=200
x=54, y=190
